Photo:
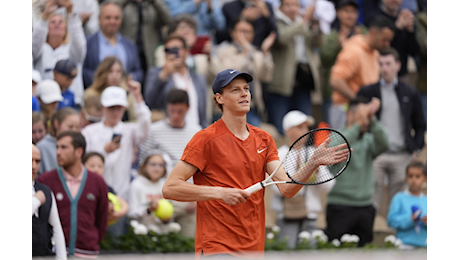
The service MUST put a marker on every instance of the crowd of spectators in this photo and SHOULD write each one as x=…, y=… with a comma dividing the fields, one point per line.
x=130, y=81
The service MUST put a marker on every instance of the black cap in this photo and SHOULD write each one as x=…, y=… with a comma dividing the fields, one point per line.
x=343, y=3
x=224, y=78
x=66, y=67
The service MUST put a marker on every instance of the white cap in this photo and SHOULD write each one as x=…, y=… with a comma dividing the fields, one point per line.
x=49, y=91
x=36, y=76
x=295, y=118
x=114, y=96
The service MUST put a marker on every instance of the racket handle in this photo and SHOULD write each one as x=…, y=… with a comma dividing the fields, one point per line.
x=256, y=187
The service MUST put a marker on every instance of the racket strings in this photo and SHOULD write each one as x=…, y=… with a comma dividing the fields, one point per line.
x=304, y=148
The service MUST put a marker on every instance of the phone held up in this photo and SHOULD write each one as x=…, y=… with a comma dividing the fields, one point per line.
x=114, y=136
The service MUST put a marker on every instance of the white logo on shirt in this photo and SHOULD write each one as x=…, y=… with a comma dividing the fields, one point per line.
x=259, y=151
x=59, y=196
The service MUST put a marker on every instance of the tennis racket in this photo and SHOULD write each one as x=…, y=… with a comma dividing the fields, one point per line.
x=325, y=145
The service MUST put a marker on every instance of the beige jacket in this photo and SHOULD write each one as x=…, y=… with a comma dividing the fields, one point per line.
x=284, y=55
x=155, y=16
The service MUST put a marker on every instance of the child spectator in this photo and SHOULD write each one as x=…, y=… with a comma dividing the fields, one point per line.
x=65, y=119
x=48, y=96
x=64, y=73
x=146, y=190
x=307, y=202
x=117, y=140
x=94, y=162
x=38, y=127
x=408, y=209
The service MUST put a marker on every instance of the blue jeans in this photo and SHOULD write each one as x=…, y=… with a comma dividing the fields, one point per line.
x=279, y=105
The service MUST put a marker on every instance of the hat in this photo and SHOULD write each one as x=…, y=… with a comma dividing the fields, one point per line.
x=66, y=67
x=343, y=3
x=224, y=78
x=36, y=76
x=295, y=118
x=49, y=91
x=114, y=96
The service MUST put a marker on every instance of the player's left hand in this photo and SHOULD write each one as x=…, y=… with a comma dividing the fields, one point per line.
x=334, y=154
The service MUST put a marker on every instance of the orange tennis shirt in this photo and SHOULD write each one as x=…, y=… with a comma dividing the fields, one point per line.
x=227, y=161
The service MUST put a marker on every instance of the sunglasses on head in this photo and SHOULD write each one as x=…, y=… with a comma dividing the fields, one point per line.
x=90, y=118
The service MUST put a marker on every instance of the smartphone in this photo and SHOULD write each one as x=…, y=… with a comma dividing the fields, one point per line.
x=115, y=135
x=198, y=47
x=174, y=51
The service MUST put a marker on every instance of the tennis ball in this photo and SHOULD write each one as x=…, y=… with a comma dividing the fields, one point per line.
x=165, y=209
x=116, y=205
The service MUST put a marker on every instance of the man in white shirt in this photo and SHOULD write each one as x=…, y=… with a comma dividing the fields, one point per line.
x=117, y=140
x=44, y=213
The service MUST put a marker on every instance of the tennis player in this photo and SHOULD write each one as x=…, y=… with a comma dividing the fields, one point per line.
x=224, y=159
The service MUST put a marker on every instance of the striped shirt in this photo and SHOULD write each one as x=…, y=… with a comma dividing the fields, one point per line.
x=169, y=140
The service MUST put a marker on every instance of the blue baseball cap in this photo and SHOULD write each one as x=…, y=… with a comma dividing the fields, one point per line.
x=224, y=78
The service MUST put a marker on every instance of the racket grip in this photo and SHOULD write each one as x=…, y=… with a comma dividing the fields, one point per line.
x=256, y=187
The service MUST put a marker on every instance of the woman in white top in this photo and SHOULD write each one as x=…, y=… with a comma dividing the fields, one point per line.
x=58, y=36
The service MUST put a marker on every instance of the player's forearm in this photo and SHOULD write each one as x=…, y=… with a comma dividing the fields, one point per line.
x=180, y=190
x=302, y=175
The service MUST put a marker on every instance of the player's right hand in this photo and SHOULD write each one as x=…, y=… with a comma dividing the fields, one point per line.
x=233, y=196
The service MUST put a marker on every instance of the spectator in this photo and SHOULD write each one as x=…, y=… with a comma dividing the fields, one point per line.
x=185, y=25
x=64, y=73
x=46, y=226
x=297, y=67
x=176, y=74
x=349, y=73
x=110, y=73
x=65, y=119
x=241, y=55
x=346, y=26
x=116, y=140
x=143, y=22
x=38, y=127
x=91, y=112
x=208, y=14
x=109, y=42
x=258, y=12
x=48, y=96
x=94, y=162
x=36, y=78
x=146, y=191
x=408, y=209
x=401, y=116
x=55, y=38
x=170, y=136
x=81, y=197
x=349, y=205
x=305, y=206
x=404, y=40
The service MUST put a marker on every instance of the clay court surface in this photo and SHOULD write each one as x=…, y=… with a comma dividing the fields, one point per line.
x=354, y=254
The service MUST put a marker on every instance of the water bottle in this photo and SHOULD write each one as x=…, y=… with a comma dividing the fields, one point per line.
x=418, y=212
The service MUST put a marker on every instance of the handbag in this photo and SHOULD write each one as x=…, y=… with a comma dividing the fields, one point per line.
x=304, y=78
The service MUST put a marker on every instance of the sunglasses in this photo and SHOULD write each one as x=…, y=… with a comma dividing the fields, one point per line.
x=156, y=165
x=90, y=118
